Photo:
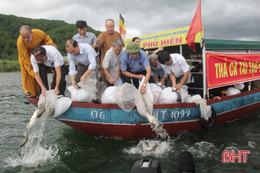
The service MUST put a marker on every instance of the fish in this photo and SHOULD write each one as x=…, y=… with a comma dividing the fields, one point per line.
x=151, y=148
x=35, y=115
x=152, y=119
x=46, y=104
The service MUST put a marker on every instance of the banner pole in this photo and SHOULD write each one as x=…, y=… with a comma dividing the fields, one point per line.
x=204, y=70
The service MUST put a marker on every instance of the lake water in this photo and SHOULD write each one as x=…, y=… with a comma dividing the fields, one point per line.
x=63, y=149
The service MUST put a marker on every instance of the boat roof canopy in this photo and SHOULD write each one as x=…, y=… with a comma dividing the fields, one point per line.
x=216, y=44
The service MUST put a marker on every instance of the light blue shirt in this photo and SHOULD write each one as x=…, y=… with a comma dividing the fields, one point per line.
x=87, y=56
x=134, y=65
x=158, y=71
x=89, y=38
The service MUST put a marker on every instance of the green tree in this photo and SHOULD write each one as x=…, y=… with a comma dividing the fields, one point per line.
x=59, y=32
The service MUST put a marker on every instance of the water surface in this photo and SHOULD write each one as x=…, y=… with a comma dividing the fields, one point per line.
x=63, y=149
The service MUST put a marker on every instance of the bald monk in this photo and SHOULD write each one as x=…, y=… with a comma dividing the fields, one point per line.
x=29, y=39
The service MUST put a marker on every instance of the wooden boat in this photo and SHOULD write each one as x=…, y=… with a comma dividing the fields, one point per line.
x=109, y=121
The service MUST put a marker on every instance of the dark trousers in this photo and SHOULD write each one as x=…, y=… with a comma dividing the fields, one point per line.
x=81, y=69
x=43, y=69
x=135, y=80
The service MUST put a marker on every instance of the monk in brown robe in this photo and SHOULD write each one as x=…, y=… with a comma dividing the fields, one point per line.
x=29, y=39
x=106, y=40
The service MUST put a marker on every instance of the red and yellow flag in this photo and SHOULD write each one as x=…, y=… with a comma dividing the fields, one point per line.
x=122, y=25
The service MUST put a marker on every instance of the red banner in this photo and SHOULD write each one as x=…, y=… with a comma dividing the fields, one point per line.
x=228, y=69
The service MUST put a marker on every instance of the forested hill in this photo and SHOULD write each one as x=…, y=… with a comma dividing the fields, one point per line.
x=59, y=32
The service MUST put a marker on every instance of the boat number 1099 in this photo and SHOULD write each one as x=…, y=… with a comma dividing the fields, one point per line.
x=173, y=114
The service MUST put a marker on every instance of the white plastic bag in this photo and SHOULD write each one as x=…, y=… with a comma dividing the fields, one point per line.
x=205, y=111
x=184, y=93
x=232, y=91
x=87, y=91
x=108, y=95
x=119, y=82
x=125, y=96
x=79, y=95
x=168, y=96
x=62, y=105
x=239, y=86
x=89, y=85
x=51, y=99
x=144, y=104
x=156, y=92
x=194, y=98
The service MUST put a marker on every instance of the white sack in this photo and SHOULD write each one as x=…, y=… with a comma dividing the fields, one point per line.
x=47, y=102
x=90, y=85
x=232, y=91
x=239, y=86
x=51, y=99
x=125, y=96
x=144, y=103
x=87, y=91
x=184, y=93
x=194, y=98
x=79, y=95
x=156, y=92
x=168, y=96
x=205, y=110
x=108, y=95
x=119, y=82
x=62, y=105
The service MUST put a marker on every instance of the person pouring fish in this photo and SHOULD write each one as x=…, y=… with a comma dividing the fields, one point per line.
x=48, y=57
x=85, y=56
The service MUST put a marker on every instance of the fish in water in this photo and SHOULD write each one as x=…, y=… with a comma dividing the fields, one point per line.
x=46, y=104
x=35, y=115
x=151, y=148
x=152, y=119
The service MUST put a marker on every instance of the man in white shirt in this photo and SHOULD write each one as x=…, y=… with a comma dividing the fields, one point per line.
x=85, y=55
x=44, y=57
x=176, y=67
x=112, y=63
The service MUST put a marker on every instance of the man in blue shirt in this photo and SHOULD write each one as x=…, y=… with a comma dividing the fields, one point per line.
x=83, y=36
x=135, y=65
x=85, y=55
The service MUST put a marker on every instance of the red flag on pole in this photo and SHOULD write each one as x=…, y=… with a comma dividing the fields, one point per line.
x=195, y=27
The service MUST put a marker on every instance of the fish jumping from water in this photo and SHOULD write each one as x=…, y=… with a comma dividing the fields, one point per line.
x=35, y=115
x=46, y=104
x=151, y=148
x=39, y=111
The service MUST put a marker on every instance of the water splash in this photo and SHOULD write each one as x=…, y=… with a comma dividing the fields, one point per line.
x=160, y=131
x=202, y=149
x=252, y=144
x=156, y=147
x=35, y=151
x=159, y=148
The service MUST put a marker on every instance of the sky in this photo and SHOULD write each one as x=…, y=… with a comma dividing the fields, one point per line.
x=221, y=19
